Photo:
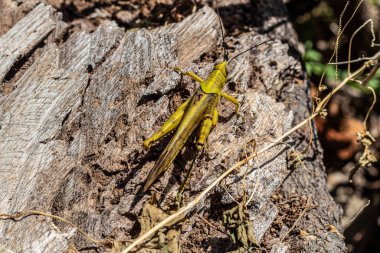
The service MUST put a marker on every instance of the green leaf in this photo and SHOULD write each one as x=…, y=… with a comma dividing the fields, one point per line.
x=312, y=55
x=308, y=45
x=318, y=69
x=309, y=68
x=330, y=72
x=375, y=84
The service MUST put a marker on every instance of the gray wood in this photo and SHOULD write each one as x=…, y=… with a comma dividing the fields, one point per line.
x=26, y=35
x=73, y=124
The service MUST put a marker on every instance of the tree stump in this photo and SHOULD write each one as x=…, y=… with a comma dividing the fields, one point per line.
x=74, y=111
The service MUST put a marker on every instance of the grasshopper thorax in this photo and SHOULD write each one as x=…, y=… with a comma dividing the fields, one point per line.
x=222, y=67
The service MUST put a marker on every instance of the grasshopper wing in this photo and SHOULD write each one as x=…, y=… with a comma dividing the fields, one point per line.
x=193, y=116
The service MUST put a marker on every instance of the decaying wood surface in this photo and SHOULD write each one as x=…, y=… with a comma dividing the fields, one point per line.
x=74, y=114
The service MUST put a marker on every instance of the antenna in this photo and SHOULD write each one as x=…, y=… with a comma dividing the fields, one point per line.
x=225, y=57
x=249, y=49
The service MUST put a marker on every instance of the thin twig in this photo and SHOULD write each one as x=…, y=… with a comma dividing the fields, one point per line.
x=352, y=38
x=340, y=32
x=357, y=214
x=307, y=208
x=351, y=61
x=372, y=73
x=208, y=223
x=370, y=109
x=35, y=212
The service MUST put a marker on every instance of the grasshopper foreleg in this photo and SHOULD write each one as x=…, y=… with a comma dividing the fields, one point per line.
x=234, y=101
x=208, y=124
x=190, y=74
x=168, y=126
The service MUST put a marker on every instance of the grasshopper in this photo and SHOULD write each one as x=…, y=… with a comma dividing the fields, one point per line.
x=200, y=108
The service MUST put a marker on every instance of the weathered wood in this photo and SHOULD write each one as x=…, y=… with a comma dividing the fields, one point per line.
x=14, y=11
x=25, y=36
x=72, y=131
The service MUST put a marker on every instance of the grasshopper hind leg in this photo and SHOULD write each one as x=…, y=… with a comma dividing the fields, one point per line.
x=208, y=124
x=171, y=124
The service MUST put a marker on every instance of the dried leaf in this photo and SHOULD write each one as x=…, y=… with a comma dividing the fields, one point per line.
x=333, y=229
x=150, y=216
x=304, y=234
x=168, y=241
x=367, y=158
x=240, y=226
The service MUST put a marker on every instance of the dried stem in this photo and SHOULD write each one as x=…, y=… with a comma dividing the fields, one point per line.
x=307, y=207
x=35, y=212
x=357, y=214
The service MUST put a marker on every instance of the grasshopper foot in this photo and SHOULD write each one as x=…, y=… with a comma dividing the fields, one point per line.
x=148, y=143
x=240, y=115
x=199, y=146
x=178, y=70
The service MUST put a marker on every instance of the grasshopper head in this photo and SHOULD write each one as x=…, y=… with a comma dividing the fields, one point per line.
x=222, y=67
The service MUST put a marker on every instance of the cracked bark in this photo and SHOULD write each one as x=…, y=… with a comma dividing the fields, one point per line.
x=74, y=115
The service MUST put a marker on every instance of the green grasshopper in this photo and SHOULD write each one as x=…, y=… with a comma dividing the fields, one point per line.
x=201, y=107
